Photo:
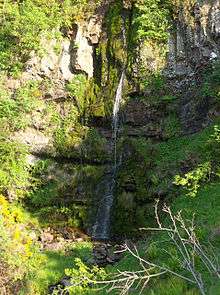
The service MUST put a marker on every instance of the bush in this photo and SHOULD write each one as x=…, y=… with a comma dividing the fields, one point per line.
x=152, y=20
x=19, y=256
x=14, y=110
x=83, y=277
x=14, y=170
x=193, y=179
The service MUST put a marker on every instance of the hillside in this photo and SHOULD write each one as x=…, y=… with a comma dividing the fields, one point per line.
x=109, y=147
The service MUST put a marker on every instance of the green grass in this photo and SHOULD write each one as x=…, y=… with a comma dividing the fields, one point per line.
x=179, y=148
x=205, y=206
x=53, y=268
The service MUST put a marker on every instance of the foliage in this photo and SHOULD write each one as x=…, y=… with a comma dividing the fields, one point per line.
x=212, y=148
x=77, y=90
x=14, y=171
x=19, y=255
x=151, y=20
x=83, y=277
x=87, y=97
x=68, y=140
x=14, y=110
x=155, y=86
x=216, y=135
x=193, y=179
x=73, y=140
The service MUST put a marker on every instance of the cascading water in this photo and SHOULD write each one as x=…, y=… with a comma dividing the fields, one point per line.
x=115, y=116
x=101, y=228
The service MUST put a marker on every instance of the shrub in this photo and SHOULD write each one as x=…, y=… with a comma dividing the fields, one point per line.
x=193, y=179
x=14, y=110
x=14, y=170
x=19, y=255
x=83, y=277
x=152, y=20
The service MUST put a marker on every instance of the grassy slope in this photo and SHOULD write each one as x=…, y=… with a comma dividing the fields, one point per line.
x=205, y=205
x=53, y=267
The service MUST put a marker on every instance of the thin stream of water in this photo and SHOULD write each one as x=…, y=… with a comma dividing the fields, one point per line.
x=115, y=117
x=101, y=228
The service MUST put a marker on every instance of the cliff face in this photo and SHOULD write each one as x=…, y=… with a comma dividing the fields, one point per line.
x=195, y=40
x=78, y=76
x=194, y=46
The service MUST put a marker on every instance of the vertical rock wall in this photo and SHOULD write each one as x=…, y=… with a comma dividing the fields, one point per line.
x=195, y=38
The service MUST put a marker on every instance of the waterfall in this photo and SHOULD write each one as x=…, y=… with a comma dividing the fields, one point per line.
x=101, y=228
x=115, y=116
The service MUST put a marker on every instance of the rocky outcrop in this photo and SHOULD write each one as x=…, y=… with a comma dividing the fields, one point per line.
x=195, y=40
x=82, y=58
x=143, y=120
x=54, y=63
x=37, y=141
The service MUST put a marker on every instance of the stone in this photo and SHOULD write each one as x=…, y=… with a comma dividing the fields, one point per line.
x=38, y=142
x=82, y=52
x=65, y=61
x=94, y=29
x=46, y=237
x=194, y=114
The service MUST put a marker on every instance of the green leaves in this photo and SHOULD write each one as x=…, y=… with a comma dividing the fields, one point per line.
x=14, y=174
x=193, y=179
x=83, y=277
x=14, y=109
x=152, y=20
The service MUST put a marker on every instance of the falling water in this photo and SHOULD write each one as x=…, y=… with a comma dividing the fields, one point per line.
x=115, y=116
x=101, y=228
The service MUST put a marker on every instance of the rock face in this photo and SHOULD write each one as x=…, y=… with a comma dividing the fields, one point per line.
x=195, y=40
x=87, y=35
x=98, y=51
x=37, y=141
x=142, y=120
x=55, y=62
x=194, y=44
x=82, y=59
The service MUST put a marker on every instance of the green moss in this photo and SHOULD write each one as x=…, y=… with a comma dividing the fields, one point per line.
x=132, y=188
x=63, y=193
x=171, y=126
x=81, y=143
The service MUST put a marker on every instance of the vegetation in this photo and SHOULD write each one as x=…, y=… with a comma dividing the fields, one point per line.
x=56, y=153
x=152, y=20
x=19, y=256
x=24, y=24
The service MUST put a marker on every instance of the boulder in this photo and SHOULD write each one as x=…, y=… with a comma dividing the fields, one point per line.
x=82, y=53
x=37, y=141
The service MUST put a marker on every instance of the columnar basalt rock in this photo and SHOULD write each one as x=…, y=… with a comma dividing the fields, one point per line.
x=195, y=38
